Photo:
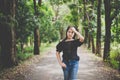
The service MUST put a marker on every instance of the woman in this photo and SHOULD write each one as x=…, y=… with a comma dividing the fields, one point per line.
x=70, y=59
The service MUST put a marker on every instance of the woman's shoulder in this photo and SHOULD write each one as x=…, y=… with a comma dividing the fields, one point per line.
x=60, y=42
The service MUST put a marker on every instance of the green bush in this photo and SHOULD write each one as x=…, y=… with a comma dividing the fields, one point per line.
x=27, y=53
x=28, y=50
x=23, y=56
x=115, y=58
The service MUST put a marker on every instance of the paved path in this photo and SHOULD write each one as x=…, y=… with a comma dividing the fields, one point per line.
x=47, y=68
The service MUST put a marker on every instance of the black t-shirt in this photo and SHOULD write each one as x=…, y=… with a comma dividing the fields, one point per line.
x=69, y=49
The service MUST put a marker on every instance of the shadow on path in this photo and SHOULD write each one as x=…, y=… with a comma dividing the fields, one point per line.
x=47, y=68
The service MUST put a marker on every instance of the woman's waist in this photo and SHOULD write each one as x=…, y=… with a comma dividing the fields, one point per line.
x=67, y=59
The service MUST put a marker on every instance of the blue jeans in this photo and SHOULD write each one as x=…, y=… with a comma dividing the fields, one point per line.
x=70, y=72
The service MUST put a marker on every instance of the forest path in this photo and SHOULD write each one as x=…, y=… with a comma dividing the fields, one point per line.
x=47, y=68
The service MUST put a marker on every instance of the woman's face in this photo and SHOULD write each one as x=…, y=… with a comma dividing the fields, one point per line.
x=70, y=33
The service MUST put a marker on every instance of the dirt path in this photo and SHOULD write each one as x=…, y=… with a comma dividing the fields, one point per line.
x=47, y=68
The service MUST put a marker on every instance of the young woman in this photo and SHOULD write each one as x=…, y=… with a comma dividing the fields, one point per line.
x=70, y=59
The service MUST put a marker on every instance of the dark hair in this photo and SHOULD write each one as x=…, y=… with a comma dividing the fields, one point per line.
x=67, y=31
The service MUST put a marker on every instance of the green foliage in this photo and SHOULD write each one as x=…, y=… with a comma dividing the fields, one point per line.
x=114, y=63
x=115, y=58
x=27, y=53
x=90, y=17
x=56, y=2
x=27, y=22
x=28, y=50
x=57, y=24
x=75, y=15
x=72, y=6
x=85, y=24
x=48, y=32
x=24, y=16
x=65, y=1
x=25, y=56
x=116, y=29
x=115, y=16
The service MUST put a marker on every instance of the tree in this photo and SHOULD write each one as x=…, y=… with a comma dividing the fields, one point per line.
x=110, y=14
x=36, y=41
x=84, y=22
x=107, y=29
x=7, y=33
x=89, y=23
x=98, y=38
x=36, y=31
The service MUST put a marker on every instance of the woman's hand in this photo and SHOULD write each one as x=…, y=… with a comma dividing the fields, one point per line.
x=59, y=60
x=81, y=38
x=74, y=30
x=63, y=65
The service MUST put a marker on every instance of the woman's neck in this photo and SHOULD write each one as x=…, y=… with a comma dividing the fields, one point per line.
x=69, y=39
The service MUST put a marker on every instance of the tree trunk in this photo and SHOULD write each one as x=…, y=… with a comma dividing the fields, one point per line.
x=8, y=46
x=21, y=44
x=57, y=12
x=93, y=46
x=39, y=2
x=86, y=35
x=7, y=34
x=107, y=30
x=85, y=17
x=62, y=34
x=84, y=2
x=89, y=41
x=36, y=33
x=36, y=41
x=98, y=38
x=34, y=1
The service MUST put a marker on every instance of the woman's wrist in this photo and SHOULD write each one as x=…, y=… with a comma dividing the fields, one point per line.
x=60, y=62
x=76, y=32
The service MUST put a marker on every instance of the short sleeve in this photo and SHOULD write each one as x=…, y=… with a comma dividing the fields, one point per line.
x=59, y=47
x=78, y=43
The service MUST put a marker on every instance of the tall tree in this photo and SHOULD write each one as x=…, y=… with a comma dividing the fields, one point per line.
x=98, y=38
x=89, y=23
x=36, y=31
x=36, y=41
x=107, y=29
x=85, y=18
x=110, y=14
x=7, y=33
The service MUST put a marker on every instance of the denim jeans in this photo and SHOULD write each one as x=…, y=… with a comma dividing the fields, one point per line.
x=70, y=72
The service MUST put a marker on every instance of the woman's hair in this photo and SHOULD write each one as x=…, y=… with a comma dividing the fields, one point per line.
x=67, y=31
